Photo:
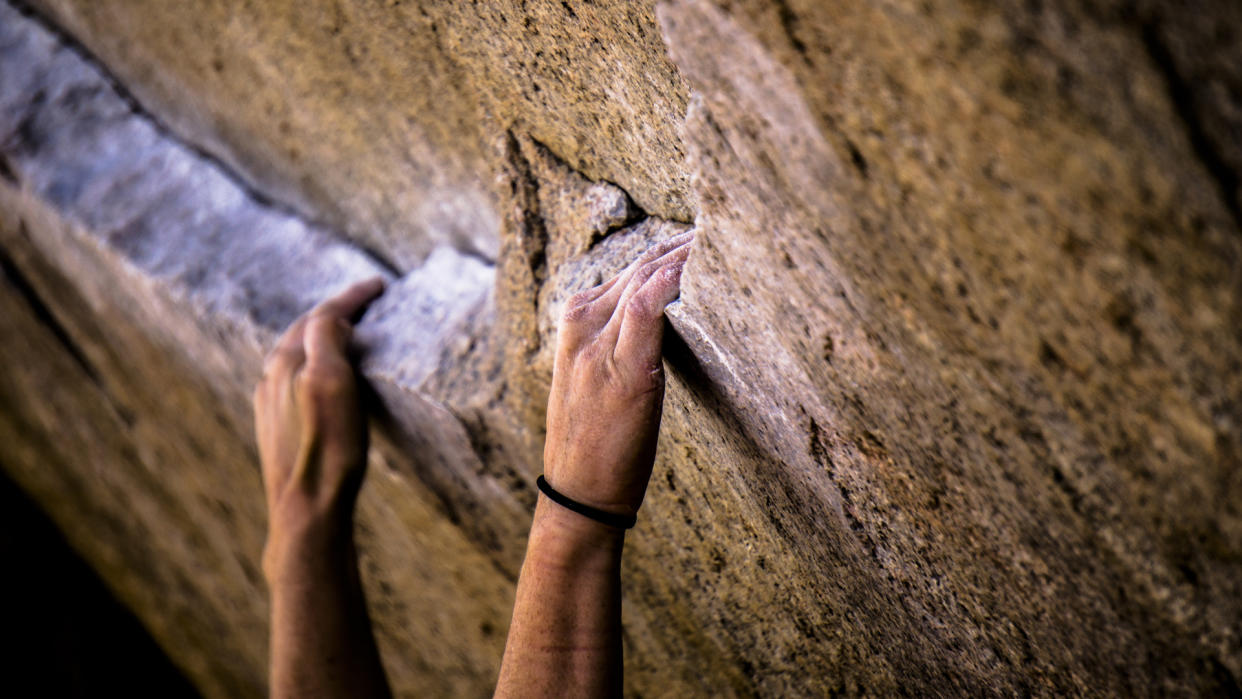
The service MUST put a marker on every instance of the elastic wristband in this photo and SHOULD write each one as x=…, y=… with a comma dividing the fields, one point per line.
x=612, y=520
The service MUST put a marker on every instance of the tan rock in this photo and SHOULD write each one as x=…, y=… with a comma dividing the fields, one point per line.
x=953, y=383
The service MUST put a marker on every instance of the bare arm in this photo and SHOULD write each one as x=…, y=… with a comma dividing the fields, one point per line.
x=603, y=421
x=312, y=445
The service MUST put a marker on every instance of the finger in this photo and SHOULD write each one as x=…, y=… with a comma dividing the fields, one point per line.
x=289, y=352
x=583, y=317
x=584, y=297
x=326, y=339
x=665, y=246
x=643, y=267
x=578, y=308
x=350, y=303
x=641, y=277
x=641, y=333
x=588, y=312
x=287, y=355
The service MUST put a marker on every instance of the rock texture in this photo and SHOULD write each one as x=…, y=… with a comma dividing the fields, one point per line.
x=954, y=384
x=377, y=117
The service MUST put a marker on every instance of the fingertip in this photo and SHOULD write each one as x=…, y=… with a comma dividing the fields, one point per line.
x=670, y=282
x=368, y=289
x=663, y=247
x=351, y=302
x=673, y=272
x=661, y=289
x=371, y=289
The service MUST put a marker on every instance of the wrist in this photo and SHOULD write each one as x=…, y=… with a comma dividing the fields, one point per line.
x=601, y=493
x=305, y=541
x=562, y=538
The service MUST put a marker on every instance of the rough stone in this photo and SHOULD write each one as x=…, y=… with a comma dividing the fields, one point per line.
x=375, y=117
x=953, y=402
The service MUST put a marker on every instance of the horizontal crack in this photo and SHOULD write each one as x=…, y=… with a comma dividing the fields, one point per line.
x=251, y=189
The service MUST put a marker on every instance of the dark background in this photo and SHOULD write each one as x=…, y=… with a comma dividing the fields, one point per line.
x=64, y=632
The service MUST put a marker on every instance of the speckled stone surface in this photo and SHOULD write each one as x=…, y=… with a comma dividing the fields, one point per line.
x=954, y=383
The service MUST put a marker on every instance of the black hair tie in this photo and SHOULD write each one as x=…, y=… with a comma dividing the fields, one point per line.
x=612, y=520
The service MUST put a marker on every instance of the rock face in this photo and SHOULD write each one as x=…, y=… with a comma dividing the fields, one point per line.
x=955, y=387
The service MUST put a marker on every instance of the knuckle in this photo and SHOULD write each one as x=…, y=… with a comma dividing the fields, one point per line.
x=332, y=328
x=576, y=313
x=649, y=269
x=320, y=319
x=581, y=298
x=276, y=363
x=325, y=381
x=269, y=364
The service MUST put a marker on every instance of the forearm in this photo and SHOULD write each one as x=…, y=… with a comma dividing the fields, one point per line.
x=322, y=644
x=565, y=638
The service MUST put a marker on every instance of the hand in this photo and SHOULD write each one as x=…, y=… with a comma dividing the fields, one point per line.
x=608, y=383
x=311, y=431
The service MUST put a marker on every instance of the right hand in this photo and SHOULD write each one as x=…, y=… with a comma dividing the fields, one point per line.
x=608, y=383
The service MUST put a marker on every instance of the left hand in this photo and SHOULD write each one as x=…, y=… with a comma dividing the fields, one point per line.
x=308, y=419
